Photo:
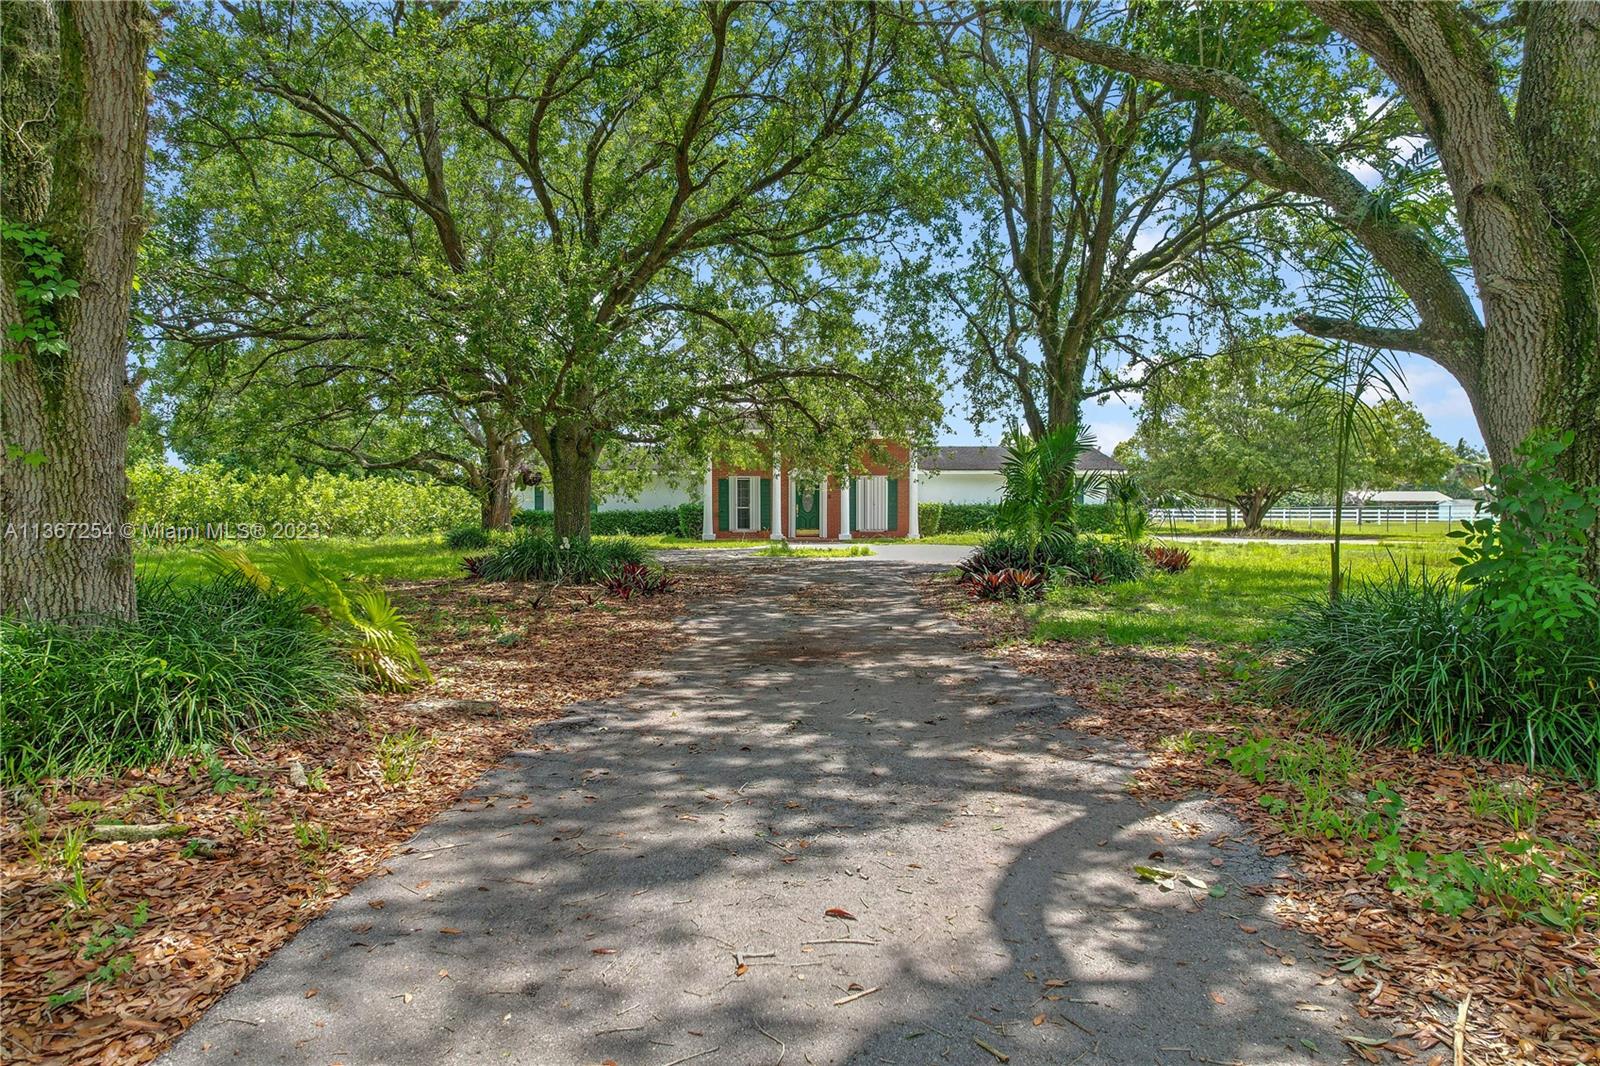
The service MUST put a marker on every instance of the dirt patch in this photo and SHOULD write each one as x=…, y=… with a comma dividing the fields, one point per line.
x=168, y=927
x=1535, y=989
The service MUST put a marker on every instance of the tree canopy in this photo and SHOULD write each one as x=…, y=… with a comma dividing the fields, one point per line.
x=585, y=224
x=1245, y=429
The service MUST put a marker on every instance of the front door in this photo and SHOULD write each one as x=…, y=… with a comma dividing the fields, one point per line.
x=807, y=522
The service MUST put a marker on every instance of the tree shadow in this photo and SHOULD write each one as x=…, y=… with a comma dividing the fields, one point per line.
x=650, y=885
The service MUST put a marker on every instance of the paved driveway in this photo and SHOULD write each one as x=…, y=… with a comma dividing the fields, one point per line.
x=653, y=887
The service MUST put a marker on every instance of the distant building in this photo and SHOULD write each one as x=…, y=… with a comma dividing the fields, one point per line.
x=972, y=474
x=881, y=501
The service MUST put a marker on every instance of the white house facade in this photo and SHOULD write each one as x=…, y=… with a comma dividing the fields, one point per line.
x=961, y=474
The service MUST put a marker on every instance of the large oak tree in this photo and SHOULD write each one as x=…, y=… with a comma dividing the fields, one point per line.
x=601, y=214
x=1101, y=248
x=1507, y=97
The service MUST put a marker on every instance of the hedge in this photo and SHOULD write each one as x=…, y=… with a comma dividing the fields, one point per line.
x=166, y=498
x=936, y=518
x=680, y=521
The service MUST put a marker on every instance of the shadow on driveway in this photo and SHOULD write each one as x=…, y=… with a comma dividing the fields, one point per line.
x=820, y=741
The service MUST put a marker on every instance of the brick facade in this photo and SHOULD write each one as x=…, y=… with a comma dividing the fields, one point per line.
x=886, y=459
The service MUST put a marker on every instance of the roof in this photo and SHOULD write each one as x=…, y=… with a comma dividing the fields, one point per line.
x=990, y=456
x=1408, y=496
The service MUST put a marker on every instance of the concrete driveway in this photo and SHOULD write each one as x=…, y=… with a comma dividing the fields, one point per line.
x=652, y=882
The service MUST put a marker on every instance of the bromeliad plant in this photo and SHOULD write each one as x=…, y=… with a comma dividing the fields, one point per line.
x=361, y=616
x=1008, y=583
x=637, y=579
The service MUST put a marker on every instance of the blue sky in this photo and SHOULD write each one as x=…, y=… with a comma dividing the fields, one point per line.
x=1436, y=394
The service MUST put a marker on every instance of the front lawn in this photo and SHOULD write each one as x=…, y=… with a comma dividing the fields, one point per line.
x=1234, y=593
x=415, y=558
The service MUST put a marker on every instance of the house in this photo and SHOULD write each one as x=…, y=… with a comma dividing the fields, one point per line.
x=1420, y=504
x=881, y=500
x=972, y=474
x=750, y=503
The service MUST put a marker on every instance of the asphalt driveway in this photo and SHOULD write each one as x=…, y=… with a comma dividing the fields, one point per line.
x=651, y=882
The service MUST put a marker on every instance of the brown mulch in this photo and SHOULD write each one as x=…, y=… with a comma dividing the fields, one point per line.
x=502, y=666
x=1535, y=990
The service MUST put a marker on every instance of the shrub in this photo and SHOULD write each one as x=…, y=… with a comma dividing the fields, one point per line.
x=1168, y=560
x=936, y=518
x=334, y=505
x=1408, y=660
x=659, y=522
x=680, y=521
x=1125, y=501
x=460, y=537
x=638, y=579
x=202, y=662
x=1100, y=561
x=1009, y=583
x=537, y=556
x=1082, y=558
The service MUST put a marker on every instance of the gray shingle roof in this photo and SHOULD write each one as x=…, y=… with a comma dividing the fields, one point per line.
x=990, y=456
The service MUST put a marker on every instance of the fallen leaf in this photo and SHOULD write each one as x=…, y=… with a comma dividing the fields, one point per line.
x=839, y=912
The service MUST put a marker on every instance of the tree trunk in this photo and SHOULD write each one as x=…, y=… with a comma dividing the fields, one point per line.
x=573, y=452
x=495, y=511
x=1253, y=509
x=74, y=78
x=499, y=483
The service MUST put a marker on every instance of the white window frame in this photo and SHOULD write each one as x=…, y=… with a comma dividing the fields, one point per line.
x=872, y=507
x=753, y=507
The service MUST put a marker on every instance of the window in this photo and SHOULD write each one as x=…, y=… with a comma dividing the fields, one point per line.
x=872, y=512
x=746, y=506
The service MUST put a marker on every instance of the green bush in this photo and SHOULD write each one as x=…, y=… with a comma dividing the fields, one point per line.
x=463, y=537
x=202, y=662
x=1406, y=660
x=659, y=522
x=680, y=521
x=1086, y=558
x=1502, y=660
x=537, y=556
x=936, y=518
x=166, y=497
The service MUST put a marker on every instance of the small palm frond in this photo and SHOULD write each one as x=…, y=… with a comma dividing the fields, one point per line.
x=230, y=559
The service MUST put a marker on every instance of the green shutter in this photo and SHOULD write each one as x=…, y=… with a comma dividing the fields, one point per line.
x=722, y=504
x=766, y=503
x=894, y=504
x=855, y=492
x=538, y=498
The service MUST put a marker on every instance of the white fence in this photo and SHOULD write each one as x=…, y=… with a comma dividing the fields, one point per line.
x=1311, y=517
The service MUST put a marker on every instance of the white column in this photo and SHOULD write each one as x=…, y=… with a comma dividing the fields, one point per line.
x=777, y=502
x=914, y=527
x=844, y=507
x=822, y=509
x=794, y=497
x=708, y=508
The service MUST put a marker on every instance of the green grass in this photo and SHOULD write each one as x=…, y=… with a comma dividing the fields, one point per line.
x=662, y=541
x=1402, y=532
x=386, y=558
x=788, y=551
x=1234, y=593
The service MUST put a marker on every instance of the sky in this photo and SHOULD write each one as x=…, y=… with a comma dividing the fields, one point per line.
x=1437, y=395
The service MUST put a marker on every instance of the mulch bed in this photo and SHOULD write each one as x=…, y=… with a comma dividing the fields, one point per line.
x=1535, y=990
x=502, y=665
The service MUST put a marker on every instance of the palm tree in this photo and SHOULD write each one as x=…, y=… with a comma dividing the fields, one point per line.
x=1042, y=487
